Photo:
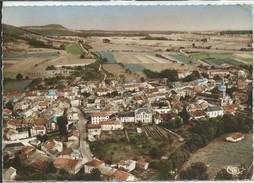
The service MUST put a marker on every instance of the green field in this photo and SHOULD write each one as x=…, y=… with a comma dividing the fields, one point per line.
x=31, y=55
x=228, y=56
x=73, y=49
x=9, y=86
x=109, y=56
x=10, y=75
x=134, y=67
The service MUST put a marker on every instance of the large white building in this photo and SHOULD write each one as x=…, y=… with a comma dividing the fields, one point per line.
x=109, y=125
x=97, y=117
x=143, y=115
x=214, y=111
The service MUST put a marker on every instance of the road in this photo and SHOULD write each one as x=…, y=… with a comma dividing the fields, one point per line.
x=84, y=147
x=105, y=75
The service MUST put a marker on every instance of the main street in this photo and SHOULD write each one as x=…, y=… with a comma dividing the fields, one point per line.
x=84, y=147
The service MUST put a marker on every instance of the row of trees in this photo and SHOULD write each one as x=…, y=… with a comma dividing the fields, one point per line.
x=171, y=75
x=205, y=131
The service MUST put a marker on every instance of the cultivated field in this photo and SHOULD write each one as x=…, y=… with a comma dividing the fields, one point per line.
x=220, y=153
x=73, y=49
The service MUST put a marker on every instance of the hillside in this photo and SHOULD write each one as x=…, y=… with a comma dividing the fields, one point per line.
x=49, y=26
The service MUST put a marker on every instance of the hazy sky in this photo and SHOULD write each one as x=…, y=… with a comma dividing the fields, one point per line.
x=212, y=17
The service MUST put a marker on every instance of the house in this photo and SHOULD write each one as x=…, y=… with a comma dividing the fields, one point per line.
x=235, y=137
x=71, y=153
x=10, y=174
x=127, y=165
x=43, y=104
x=127, y=117
x=197, y=114
x=70, y=165
x=214, y=111
x=219, y=72
x=97, y=117
x=113, y=124
x=7, y=114
x=143, y=115
x=131, y=87
x=94, y=131
x=161, y=107
x=183, y=73
x=38, y=130
x=40, y=121
x=240, y=97
x=95, y=163
x=13, y=135
x=139, y=100
x=168, y=116
x=73, y=135
x=52, y=147
x=231, y=108
x=242, y=85
x=102, y=91
x=120, y=175
x=13, y=147
x=40, y=163
x=15, y=123
x=142, y=164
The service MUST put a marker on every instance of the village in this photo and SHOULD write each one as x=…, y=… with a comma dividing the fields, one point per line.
x=57, y=127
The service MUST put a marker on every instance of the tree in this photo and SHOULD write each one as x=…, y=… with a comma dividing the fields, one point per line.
x=142, y=79
x=154, y=153
x=19, y=76
x=95, y=174
x=223, y=175
x=197, y=171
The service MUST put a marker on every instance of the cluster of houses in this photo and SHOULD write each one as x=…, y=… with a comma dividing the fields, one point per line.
x=108, y=107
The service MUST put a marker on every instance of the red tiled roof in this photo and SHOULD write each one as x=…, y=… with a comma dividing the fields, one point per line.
x=141, y=162
x=217, y=70
x=64, y=90
x=31, y=93
x=198, y=113
x=153, y=90
x=65, y=162
x=16, y=122
x=138, y=97
x=242, y=83
x=49, y=144
x=237, y=94
x=43, y=103
x=73, y=133
x=131, y=85
x=120, y=175
x=231, y=108
x=66, y=151
x=93, y=126
x=94, y=163
x=168, y=115
x=39, y=127
x=14, y=94
x=40, y=121
x=40, y=164
x=101, y=90
x=97, y=114
x=7, y=111
x=237, y=135
x=111, y=122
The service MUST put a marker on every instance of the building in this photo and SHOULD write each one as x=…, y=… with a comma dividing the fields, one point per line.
x=214, y=111
x=219, y=72
x=183, y=73
x=110, y=125
x=70, y=165
x=10, y=174
x=95, y=163
x=97, y=117
x=143, y=115
x=102, y=91
x=52, y=147
x=127, y=117
x=38, y=130
x=235, y=137
x=127, y=165
x=120, y=175
x=94, y=131
x=198, y=114
x=71, y=153
x=142, y=164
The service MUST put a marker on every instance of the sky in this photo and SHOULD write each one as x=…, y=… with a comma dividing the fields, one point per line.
x=171, y=18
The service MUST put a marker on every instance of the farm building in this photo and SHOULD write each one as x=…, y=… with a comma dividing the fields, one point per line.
x=235, y=137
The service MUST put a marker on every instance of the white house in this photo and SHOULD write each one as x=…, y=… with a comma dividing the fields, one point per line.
x=183, y=73
x=214, y=111
x=127, y=165
x=235, y=137
x=95, y=163
x=161, y=107
x=10, y=174
x=102, y=91
x=127, y=117
x=38, y=130
x=131, y=87
x=113, y=124
x=97, y=117
x=94, y=131
x=144, y=115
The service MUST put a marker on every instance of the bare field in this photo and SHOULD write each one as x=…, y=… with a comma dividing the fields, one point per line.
x=220, y=153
